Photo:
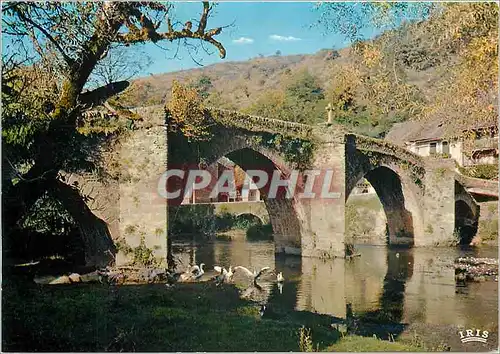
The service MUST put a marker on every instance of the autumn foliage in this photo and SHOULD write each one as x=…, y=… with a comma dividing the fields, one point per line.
x=186, y=113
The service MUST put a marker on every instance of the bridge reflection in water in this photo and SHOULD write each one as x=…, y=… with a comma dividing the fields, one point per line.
x=387, y=285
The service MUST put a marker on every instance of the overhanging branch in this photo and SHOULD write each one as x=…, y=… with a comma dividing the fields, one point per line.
x=148, y=31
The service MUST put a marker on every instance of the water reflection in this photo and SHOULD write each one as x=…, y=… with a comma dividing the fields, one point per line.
x=403, y=286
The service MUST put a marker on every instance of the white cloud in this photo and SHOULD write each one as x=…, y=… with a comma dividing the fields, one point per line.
x=284, y=38
x=243, y=40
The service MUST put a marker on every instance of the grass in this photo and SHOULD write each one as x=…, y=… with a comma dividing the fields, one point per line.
x=188, y=317
x=370, y=344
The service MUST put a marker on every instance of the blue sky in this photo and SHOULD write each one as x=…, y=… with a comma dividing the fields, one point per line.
x=259, y=28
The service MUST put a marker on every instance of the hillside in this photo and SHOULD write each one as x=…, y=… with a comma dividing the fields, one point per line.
x=405, y=74
x=240, y=83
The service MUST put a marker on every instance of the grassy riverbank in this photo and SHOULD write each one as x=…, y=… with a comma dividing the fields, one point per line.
x=188, y=317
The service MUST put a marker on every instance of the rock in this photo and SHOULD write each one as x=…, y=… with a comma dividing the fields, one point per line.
x=93, y=277
x=44, y=279
x=75, y=278
x=476, y=240
x=64, y=279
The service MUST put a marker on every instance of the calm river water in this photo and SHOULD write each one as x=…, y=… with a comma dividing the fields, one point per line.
x=407, y=286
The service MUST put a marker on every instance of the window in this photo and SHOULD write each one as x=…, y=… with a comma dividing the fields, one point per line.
x=432, y=149
x=446, y=148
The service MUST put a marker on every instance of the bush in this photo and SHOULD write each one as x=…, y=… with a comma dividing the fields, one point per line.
x=480, y=171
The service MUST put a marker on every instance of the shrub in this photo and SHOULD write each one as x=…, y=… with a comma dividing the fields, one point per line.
x=481, y=171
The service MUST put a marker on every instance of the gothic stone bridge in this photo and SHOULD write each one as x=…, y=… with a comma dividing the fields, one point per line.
x=421, y=197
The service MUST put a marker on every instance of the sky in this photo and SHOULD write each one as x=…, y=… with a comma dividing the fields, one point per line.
x=257, y=28
x=250, y=29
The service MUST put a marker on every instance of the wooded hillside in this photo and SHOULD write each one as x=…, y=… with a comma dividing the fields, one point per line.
x=438, y=69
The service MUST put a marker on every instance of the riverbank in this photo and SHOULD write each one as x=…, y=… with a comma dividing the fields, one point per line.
x=187, y=317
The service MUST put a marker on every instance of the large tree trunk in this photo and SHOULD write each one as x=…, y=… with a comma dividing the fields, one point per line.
x=98, y=244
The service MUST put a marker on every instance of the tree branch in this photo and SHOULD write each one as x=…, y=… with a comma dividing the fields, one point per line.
x=148, y=31
x=67, y=59
x=204, y=18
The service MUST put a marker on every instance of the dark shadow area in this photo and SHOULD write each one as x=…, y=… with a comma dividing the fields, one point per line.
x=465, y=223
x=260, y=233
x=481, y=198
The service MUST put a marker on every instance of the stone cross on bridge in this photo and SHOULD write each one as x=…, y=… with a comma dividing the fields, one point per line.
x=420, y=196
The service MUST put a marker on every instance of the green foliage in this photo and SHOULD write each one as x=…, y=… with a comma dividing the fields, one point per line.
x=356, y=343
x=46, y=230
x=305, y=87
x=203, y=86
x=149, y=318
x=200, y=219
x=488, y=229
x=193, y=219
x=301, y=100
x=141, y=255
x=295, y=150
x=481, y=171
x=48, y=216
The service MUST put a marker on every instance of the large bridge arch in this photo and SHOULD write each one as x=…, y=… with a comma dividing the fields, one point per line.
x=397, y=183
x=245, y=149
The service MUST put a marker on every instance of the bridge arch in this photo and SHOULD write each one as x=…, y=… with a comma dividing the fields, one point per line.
x=397, y=182
x=252, y=217
x=282, y=214
x=466, y=215
x=395, y=198
x=245, y=150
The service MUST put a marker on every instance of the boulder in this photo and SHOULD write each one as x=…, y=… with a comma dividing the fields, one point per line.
x=63, y=279
x=75, y=278
x=93, y=277
x=44, y=279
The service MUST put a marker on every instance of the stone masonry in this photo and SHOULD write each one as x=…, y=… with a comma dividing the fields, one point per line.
x=418, y=195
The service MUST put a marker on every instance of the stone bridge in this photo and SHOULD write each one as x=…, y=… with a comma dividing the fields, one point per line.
x=419, y=195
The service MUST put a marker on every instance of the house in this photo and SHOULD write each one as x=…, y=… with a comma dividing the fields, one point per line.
x=437, y=139
x=240, y=194
x=363, y=187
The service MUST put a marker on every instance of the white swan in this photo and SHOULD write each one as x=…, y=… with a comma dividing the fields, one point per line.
x=280, y=288
x=255, y=275
x=280, y=278
x=224, y=275
x=197, y=271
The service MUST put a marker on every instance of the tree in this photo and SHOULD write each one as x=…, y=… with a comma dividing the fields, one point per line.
x=464, y=36
x=203, y=86
x=301, y=100
x=66, y=42
x=305, y=87
x=186, y=113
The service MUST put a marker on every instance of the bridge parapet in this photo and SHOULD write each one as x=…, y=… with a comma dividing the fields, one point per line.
x=364, y=143
x=253, y=123
x=477, y=185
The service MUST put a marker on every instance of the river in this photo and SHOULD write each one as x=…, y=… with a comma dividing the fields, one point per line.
x=413, y=286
